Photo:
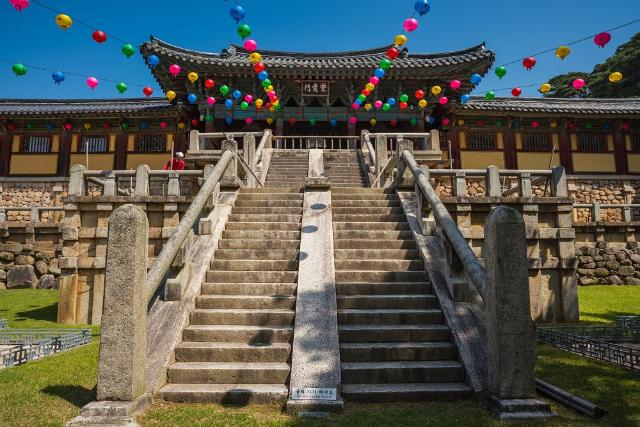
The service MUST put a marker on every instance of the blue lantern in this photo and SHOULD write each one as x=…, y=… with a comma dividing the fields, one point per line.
x=153, y=61
x=263, y=75
x=192, y=98
x=237, y=94
x=144, y=125
x=476, y=79
x=237, y=13
x=379, y=73
x=58, y=77
x=228, y=103
x=422, y=7
x=357, y=101
x=391, y=101
x=50, y=127
x=431, y=120
x=229, y=120
x=465, y=98
x=333, y=122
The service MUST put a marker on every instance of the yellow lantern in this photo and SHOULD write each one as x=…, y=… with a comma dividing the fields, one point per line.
x=373, y=122
x=64, y=21
x=255, y=57
x=615, y=77
x=367, y=106
x=87, y=126
x=563, y=51
x=272, y=109
x=276, y=103
x=269, y=88
x=436, y=90
x=545, y=88
x=259, y=103
x=171, y=95
x=460, y=122
x=193, y=77
x=422, y=103
x=181, y=125
x=269, y=120
x=553, y=125
x=400, y=40
x=369, y=87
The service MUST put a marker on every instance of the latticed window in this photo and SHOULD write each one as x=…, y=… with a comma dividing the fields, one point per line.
x=151, y=142
x=482, y=141
x=592, y=142
x=635, y=143
x=93, y=144
x=535, y=141
x=36, y=144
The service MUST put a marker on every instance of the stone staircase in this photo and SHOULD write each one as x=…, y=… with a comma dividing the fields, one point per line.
x=394, y=345
x=288, y=169
x=343, y=168
x=237, y=347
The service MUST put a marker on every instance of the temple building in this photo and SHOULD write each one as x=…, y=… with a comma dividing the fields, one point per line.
x=43, y=138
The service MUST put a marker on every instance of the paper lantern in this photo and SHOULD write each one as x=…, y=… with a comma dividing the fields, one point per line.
x=445, y=121
x=419, y=94
x=392, y=53
x=68, y=127
x=501, y=71
x=182, y=125
x=153, y=61
x=422, y=7
x=602, y=39
x=400, y=40
x=443, y=100
x=19, y=69
x=455, y=84
x=615, y=77
x=255, y=57
x=353, y=120
x=163, y=125
x=237, y=13
x=436, y=90
x=128, y=50
x=422, y=103
x=195, y=122
x=516, y=91
x=250, y=45
x=174, y=69
x=92, y=82
x=209, y=84
x=410, y=25
x=211, y=101
x=249, y=120
x=545, y=88
x=147, y=91
x=292, y=121
x=578, y=84
x=121, y=87
x=563, y=51
x=171, y=95
x=490, y=95
x=58, y=77
x=19, y=5
x=529, y=62
x=99, y=36
x=465, y=98
x=270, y=120
x=192, y=98
x=64, y=21
x=477, y=78
x=193, y=77
x=535, y=124
x=86, y=126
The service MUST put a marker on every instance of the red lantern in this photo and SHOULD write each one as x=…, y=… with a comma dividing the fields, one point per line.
x=404, y=105
x=163, y=125
x=195, y=122
x=480, y=123
x=529, y=62
x=535, y=124
x=445, y=121
x=106, y=125
x=420, y=94
x=393, y=122
x=269, y=105
x=259, y=67
x=147, y=91
x=366, y=92
x=292, y=121
x=99, y=36
x=393, y=53
x=516, y=91
x=68, y=127
x=11, y=127
x=209, y=84
x=602, y=39
x=626, y=126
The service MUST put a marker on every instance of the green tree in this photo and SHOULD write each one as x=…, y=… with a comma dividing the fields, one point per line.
x=625, y=60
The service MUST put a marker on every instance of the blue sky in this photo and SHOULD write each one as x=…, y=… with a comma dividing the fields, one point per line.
x=513, y=29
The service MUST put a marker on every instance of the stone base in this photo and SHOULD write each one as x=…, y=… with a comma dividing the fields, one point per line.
x=112, y=413
x=230, y=184
x=519, y=409
x=317, y=183
x=314, y=408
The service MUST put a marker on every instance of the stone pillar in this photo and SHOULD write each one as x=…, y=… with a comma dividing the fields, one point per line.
x=381, y=157
x=511, y=339
x=249, y=154
x=493, y=182
x=194, y=141
x=405, y=177
x=123, y=345
x=142, y=180
x=230, y=176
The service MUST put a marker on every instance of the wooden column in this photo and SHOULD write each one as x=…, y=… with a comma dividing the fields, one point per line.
x=510, y=157
x=454, y=137
x=64, y=154
x=566, y=158
x=6, y=140
x=620, y=149
x=122, y=143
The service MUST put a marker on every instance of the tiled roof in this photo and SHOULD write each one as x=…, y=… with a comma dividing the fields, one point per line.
x=618, y=107
x=58, y=107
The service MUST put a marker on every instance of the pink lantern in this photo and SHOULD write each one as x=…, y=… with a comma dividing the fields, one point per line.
x=163, y=125
x=410, y=25
x=378, y=104
x=250, y=45
x=271, y=94
x=445, y=121
x=174, y=69
x=602, y=39
x=374, y=80
x=92, y=82
x=444, y=100
x=248, y=99
x=211, y=101
x=353, y=120
x=19, y=4
x=455, y=84
x=249, y=120
x=626, y=126
x=68, y=127
x=578, y=84
x=355, y=106
x=535, y=124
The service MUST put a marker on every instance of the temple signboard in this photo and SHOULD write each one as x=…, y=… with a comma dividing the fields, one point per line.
x=315, y=88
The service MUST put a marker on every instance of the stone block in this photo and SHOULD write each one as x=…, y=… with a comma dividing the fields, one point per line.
x=626, y=270
x=614, y=280
x=45, y=255
x=3, y=276
x=620, y=255
x=47, y=281
x=601, y=272
x=6, y=257
x=41, y=267
x=588, y=281
x=22, y=276
x=70, y=233
x=24, y=260
x=633, y=281
x=68, y=262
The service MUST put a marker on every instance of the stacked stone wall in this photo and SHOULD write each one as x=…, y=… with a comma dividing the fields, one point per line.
x=604, y=265
x=30, y=193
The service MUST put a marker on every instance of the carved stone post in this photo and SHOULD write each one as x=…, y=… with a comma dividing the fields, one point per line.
x=194, y=140
x=249, y=154
x=493, y=182
x=381, y=158
x=76, y=181
x=173, y=186
x=142, y=180
x=559, y=187
x=404, y=177
x=109, y=184
x=230, y=176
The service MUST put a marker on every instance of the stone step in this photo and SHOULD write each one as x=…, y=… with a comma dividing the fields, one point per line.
x=380, y=276
x=394, y=316
x=260, y=244
x=248, y=302
x=261, y=234
x=266, y=216
x=266, y=204
x=365, y=190
x=357, y=217
x=381, y=226
x=267, y=210
x=198, y=351
x=365, y=243
x=227, y=373
x=393, y=333
x=274, y=254
x=253, y=276
x=387, y=301
x=257, y=289
x=228, y=265
x=272, y=224
x=363, y=254
x=270, y=190
x=379, y=265
x=371, y=235
x=440, y=371
x=246, y=334
x=256, y=317
x=371, y=203
x=240, y=394
x=270, y=196
x=397, y=351
x=364, y=196
x=405, y=392
x=335, y=185
x=367, y=210
x=383, y=288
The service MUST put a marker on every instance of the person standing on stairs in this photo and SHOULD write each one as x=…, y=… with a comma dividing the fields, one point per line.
x=175, y=164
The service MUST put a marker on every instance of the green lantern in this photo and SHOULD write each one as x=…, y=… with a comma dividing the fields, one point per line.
x=266, y=83
x=244, y=105
x=501, y=71
x=122, y=87
x=404, y=97
x=385, y=64
x=413, y=121
x=498, y=123
x=30, y=126
x=490, y=95
x=386, y=107
x=312, y=121
x=588, y=126
x=208, y=118
x=124, y=126
x=19, y=69
x=128, y=50
x=244, y=31
x=224, y=90
x=362, y=98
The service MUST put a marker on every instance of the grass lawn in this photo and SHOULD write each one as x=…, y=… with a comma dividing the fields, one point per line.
x=51, y=391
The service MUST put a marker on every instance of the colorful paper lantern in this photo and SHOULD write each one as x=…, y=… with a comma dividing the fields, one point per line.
x=121, y=87
x=68, y=126
x=529, y=62
x=476, y=79
x=422, y=103
x=353, y=120
x=174, y=69
x=501, y=71
x=392, y=53
x=192, y=98
x=193, y=77
x=211, y=101
x=385, y=64
x=446, y=121
x=64, y=21
x=237, y=13
x=92, y=82
x=153, y=61
x=195, y=122
x=455, y=84
x=579, y=84
x=410, y=25
x=58, y=77
x=490, y=95
x=465, y=98
x=171, y=95
x=270, y=120
x=163, y=125
x=400, y=40
x=422, y=7
x=250, y=45
x=99, y=36
x=516, y=91
x=443, y=100
x=128, y=50
x=615, y=77
x=255, y=57
x=602, y=39
x=19, y=5
x=209, y=84
x=563, y=51
x=545, y=88
x=373, y=121
x=420, y=94
x=249, y=120
x=19, y=69
x=147, y=91
x=436, y=90
x=224, y=90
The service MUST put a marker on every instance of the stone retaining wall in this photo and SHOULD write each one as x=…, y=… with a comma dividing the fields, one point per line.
x=604, y=265
x=32, y=193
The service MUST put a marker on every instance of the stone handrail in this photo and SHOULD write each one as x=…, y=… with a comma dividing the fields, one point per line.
x=196, y=138
x=474, y=270
x=265, y=142
x=595, y=209
x=164, y=260
x=366, y=142
x=248, y=169
x=34, y=211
